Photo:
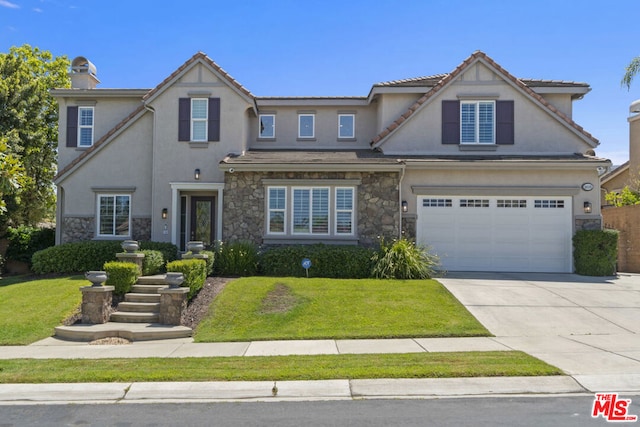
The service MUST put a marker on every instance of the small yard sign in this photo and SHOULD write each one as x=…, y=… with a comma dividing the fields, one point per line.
x=306, y=264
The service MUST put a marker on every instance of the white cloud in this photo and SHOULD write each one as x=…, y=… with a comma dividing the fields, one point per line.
x=37, y=9
x=6, y=3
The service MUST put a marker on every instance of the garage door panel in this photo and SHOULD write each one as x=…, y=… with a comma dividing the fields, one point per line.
x=498, y=233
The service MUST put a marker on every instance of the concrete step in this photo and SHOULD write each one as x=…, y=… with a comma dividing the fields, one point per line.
x=139, y=307
x=134, y=317
x=130, y=331
x=147, y=289
x=158, y=279
x=134, y=297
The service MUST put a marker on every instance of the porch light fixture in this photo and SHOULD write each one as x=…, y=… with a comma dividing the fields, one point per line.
x=405, y=206
x=587, y=207
x=196, y=174
x=165, y=212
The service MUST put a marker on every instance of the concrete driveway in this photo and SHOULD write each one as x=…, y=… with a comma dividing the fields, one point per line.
x=583, y=325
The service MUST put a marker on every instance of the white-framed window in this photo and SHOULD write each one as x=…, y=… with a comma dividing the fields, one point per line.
x=277, y=210
x=310, y=211
x=477, y=122
x=267, y=126
x=114, y=215
x=199, y=118
x=306, y=125
x=344, y=211
x=346, y=126
x=85, y=126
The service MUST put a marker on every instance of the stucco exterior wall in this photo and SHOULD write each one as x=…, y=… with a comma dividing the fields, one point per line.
x=536, y=132
x=108, y=112
x=634, y=146
x=391, y=106
x=561, y=101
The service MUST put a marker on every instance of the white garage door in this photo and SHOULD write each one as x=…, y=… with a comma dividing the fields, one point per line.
x=479, y=233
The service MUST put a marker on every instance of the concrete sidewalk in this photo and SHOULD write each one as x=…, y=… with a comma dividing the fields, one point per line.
x=588, y=327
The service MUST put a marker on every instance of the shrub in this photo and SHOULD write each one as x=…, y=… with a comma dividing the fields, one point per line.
x=595, y=252
x=404, y=260
x=1, y=264
x=331, y=261
x=152, y=263
x=239, y=258
x=24, y=241
x=75, y=257
x=169, y=250
x=211, y=257
x=122, y=275
x=194, y=271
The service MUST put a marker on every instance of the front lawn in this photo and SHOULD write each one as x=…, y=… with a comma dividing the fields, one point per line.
x=31, y=308
x=278, y=368
x=268, y=308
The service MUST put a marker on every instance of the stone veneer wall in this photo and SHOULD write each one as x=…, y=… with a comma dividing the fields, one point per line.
x=588, y=224
x=78, y=229
x=378, y=209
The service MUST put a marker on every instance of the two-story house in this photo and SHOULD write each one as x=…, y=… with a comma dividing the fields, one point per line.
x=487, y=169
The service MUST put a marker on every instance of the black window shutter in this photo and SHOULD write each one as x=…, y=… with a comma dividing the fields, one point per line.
x=451, y=122
x=184, y=119
x=505, y=134
x=72, y=126
x=213, y=131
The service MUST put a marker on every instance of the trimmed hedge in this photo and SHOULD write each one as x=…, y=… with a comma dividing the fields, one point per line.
x=122, y=275
x=331, y=261
x=595, y=252
x=24, y=241
x=194, y=271
x=152, y=263
x=239, y=258
x=90, y=255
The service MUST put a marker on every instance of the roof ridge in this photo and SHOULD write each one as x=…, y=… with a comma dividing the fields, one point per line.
x=477, y=55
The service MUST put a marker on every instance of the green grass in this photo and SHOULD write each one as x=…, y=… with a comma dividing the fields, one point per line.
x=356, y=366
x=338, y=309
x=30, y=309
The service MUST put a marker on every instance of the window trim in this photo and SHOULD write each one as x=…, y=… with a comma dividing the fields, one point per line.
x=205, y=120
x=114, y=196
x=353, y=126
x=313, y=125
x=273, y=126
x=270, y=210
x=477, y=121
x=351, y=211
x=81, y=126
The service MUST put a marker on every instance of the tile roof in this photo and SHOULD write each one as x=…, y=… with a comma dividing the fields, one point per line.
x=474, y=57
x=434, y=79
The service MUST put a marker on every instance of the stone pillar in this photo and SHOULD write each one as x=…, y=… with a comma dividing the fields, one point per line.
x=96, y=304
x=173, y=302
x=136, y=258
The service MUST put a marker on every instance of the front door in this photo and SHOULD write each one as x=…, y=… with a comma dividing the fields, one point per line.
x=202, y=224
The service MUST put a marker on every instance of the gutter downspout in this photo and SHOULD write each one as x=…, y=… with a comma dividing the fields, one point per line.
x=402, y=171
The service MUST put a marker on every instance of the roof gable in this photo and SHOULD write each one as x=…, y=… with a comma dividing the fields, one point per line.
x=448, y=79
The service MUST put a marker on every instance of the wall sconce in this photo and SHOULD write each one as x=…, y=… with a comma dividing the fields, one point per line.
x=587, y=207
x=196, y=174
x=405, y=206
x=165, y=212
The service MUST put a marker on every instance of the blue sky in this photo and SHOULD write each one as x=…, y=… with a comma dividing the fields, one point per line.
x=334, y=48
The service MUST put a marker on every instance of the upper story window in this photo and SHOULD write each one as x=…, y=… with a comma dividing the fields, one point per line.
x=85, y=126
x=306, y=125
x=267, y=126
x=346, y=126
x=477, y=122
x=199, y=119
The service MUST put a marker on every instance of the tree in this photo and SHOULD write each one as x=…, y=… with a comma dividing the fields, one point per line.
x=630, y=72
x=29, y=133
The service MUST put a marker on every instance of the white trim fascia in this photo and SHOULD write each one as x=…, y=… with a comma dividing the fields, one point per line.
x=281, y=167
x=99, y=93
x=501, y=190
x=310, y=102
x=543, y=164
x=176, y=187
